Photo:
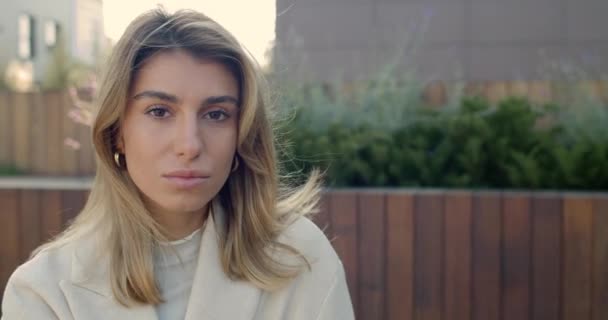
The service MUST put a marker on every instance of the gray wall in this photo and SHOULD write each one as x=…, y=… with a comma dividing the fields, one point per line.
x=471, y=40
x=42, y=10
x=78, y=20
x=88, y=32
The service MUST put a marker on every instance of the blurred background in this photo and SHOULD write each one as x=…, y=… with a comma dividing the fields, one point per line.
x=465, y=142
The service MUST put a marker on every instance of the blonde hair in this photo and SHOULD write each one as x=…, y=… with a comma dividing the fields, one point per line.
x=258, y=207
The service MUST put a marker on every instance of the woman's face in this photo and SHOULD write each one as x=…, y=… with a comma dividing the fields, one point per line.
x=180, y=130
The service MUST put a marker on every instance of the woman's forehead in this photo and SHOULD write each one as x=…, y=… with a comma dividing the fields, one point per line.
x=180, y=73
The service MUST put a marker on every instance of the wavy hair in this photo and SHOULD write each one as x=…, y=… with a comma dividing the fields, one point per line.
x=258, y=205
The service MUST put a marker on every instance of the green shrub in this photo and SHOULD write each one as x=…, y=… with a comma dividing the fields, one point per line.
x=6, y=170
x=472, y=145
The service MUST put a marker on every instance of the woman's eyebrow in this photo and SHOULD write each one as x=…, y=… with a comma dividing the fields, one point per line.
x=156, y=94
x=221, y=99
x=174, y=99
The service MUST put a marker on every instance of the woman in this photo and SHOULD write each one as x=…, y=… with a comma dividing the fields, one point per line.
x=186, y=218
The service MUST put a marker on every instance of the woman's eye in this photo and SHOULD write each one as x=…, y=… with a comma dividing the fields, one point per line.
x=216, y=115
x=158, y=112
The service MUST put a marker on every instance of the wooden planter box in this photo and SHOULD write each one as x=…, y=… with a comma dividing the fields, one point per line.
x=412, y=254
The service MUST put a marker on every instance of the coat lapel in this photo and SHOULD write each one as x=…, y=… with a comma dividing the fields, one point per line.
x=89, y=292
x=86, y=304
x=214, y=295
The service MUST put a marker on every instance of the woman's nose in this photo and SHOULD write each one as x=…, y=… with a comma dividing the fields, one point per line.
x=188, y=140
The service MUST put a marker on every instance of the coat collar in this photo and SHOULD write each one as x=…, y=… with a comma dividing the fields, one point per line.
x=213, y=293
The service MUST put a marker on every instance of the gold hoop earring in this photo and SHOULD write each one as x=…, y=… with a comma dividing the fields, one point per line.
x=117, y=159
x=235, y=164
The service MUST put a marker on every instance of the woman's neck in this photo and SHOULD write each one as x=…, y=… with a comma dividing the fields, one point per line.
x=178, y=225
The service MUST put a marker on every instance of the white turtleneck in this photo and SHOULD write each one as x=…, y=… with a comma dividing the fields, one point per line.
x=175, y=273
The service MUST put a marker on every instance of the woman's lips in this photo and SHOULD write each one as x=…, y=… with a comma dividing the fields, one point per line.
x=185, y=179
x=185, y=182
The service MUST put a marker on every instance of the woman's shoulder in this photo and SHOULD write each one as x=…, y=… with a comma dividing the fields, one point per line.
x=319, y=292
x=35, y=284
x=51, y=264
x=306, y=237
x=36, y=287
x=46, y=264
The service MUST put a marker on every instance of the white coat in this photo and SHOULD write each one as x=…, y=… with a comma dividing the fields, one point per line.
x=67, y=283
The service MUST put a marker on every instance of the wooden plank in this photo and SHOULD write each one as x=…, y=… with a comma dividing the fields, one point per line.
x=344, y=223
x=87, y=158
x=82, y=134
x=603, y=88
x=496, y=91
x=70, y=164
x=590, y=88
x=372, y=254
x=21, y=133
x=458, y=220
x=546, y=256
x=6, y=129
x=55, y=138
x=38, y=136
x=435, y=94
x=474, y=89
x=78, y=135
x=72, y=202
x=518, y=89
x=400, y=256
x=9, y=234
x=323, y=217
x=600, y=259
x=577, y=256
x=51, y=211
x=428, y=252
x=540, y=92
x=486, y=235
x=29, y=226
x=516, y=228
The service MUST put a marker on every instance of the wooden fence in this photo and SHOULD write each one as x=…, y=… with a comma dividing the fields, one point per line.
x=436, y=255
x=540, y=92
x=33, y=127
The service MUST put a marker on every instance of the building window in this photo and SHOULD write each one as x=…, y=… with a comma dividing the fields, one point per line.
x=26, y=36
x=51, y=32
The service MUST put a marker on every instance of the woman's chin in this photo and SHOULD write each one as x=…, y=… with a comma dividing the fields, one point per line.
x=187, y=207
x=188, y=204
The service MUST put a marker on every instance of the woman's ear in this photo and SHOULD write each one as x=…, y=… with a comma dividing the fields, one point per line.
x=120, y=144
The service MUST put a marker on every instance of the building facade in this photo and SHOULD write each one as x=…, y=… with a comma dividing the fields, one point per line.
x=471, y=40
x=30, y=29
